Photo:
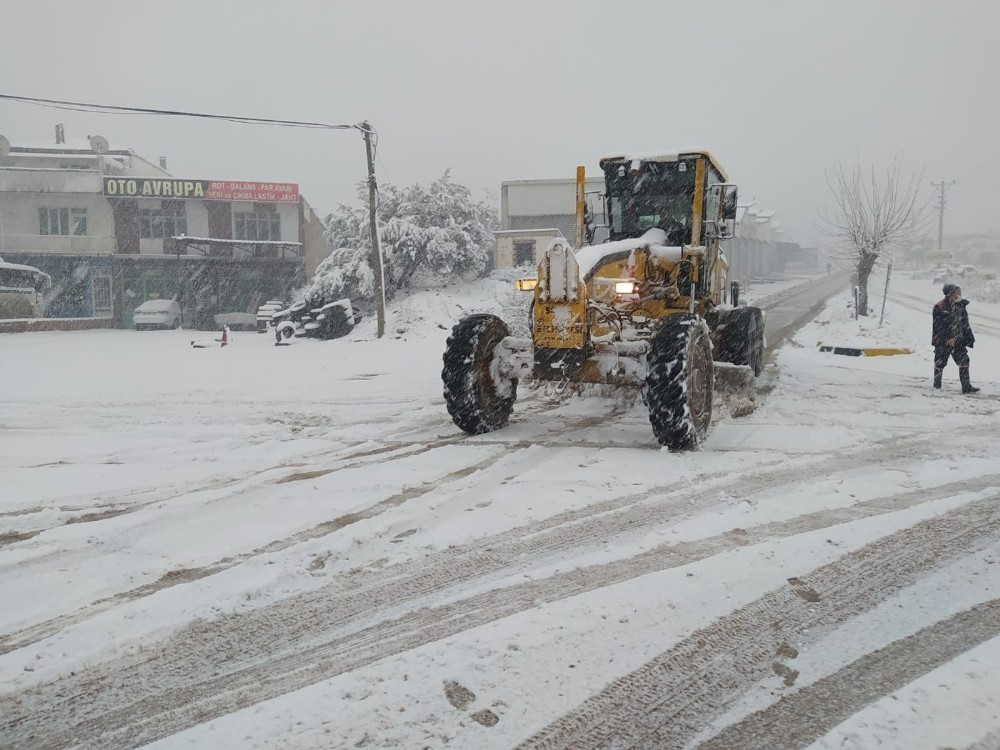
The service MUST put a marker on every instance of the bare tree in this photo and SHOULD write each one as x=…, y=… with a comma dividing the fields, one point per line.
x=872, y=218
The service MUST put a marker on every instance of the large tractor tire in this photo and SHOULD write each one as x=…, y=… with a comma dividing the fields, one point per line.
x=680, y=381
x=741, y=338
x=478, y=399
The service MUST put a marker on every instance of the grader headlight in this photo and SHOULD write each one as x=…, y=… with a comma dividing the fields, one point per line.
x=526, y=285
x=625, y=287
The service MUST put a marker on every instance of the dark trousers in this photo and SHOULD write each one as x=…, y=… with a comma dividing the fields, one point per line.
x=958, y=353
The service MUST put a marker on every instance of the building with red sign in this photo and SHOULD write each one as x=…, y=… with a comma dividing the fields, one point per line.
x=113, y=230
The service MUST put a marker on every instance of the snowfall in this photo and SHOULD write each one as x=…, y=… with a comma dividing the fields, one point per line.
x=258, y=546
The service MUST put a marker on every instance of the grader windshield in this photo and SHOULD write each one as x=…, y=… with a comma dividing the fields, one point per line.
x=646, y=194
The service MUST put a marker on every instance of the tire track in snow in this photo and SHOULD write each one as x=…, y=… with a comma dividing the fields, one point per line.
x=989, y=742
x=362, y=450
x=803, y=717
x=575, y=528
x=667, y=702
x=26, y=636
x=163, y=690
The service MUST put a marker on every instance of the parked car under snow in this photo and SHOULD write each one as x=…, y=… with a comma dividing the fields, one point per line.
x=157, y=313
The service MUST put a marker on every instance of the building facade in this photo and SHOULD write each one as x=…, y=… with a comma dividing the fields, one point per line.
x=113, y=230
x=532, y=212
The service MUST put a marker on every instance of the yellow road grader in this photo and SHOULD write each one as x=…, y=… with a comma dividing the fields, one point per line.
x=651, y=308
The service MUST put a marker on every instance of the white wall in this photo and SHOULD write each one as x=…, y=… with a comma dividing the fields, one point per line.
x=542, y=197
x=504, y=255
x=49, y=181
x=19, y=226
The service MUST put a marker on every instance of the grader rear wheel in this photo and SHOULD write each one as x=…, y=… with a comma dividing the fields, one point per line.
x=741, y=340
x=680, y=381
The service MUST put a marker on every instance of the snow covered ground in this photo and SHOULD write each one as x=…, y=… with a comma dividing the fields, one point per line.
x=256, y=547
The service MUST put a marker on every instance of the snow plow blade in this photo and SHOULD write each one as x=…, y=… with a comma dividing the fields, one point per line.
x=736, y=387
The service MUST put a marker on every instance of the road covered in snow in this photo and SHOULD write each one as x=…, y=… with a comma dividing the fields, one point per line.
x=254, y=547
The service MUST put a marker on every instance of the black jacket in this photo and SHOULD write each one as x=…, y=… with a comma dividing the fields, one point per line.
x=952, y=322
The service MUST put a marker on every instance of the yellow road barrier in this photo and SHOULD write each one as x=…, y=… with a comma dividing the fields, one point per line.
x=868, y=351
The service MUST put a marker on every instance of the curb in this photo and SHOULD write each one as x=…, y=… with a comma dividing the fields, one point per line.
x=870, y=351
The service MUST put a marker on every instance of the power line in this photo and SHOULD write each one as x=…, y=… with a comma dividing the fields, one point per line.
x=115, y=109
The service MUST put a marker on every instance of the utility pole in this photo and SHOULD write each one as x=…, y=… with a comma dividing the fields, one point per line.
x=942, y=186
x=376, y=250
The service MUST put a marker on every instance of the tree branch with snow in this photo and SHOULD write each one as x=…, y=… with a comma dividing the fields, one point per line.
x=872, y=217
x=437, y=230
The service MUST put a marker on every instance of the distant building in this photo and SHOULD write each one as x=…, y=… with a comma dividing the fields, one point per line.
x=113, y=230
x=532, y=212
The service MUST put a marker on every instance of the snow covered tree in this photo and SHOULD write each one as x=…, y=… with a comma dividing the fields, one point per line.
x=872, y=218
x=437, y=230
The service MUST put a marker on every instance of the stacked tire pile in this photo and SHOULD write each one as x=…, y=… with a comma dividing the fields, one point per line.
x=265, y=312
x=331, y=321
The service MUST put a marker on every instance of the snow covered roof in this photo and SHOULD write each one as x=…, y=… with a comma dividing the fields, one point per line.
x=217, y=241
x=42, y=279
x=156, y=305
x=592, y=180
x=60, y=151
x=500, y=232
x=16, y=267
x=666, y=157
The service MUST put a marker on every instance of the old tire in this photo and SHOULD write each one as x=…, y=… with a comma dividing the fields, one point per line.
x=338, y=323
x=477, y=399
x=741, y=338
x=680, y=381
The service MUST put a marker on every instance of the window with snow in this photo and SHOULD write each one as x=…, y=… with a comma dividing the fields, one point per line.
x=62, y=221
x=169, y=220
x=260, y=225
x=524, y=252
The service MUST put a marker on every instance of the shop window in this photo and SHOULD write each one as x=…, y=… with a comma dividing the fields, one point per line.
x=62, y=221
x=261, y=225
x=169, y=220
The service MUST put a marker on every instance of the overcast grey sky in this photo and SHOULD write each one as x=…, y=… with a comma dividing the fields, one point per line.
x=779, y=90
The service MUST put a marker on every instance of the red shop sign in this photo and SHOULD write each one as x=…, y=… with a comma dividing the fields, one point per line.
x=260, y=192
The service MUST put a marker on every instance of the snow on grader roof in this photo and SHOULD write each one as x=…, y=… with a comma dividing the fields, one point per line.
x=666, y=157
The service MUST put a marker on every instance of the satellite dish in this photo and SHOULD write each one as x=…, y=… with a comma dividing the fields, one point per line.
x=99, y=144
x=4, y=147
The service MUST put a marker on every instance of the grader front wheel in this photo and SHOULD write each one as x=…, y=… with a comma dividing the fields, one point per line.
x=478, y=398
x=680, y=381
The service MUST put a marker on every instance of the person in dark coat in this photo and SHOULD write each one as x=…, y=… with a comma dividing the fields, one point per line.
x=952, y=336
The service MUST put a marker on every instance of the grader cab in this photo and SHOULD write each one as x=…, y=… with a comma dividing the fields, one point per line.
x=650, y=309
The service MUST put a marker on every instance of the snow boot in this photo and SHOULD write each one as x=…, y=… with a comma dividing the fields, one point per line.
x=937, y=378
x=967, y=387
